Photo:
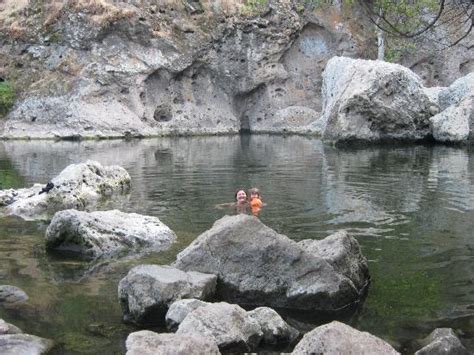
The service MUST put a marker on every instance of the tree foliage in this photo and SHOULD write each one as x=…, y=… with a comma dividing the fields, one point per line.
x=413, y=18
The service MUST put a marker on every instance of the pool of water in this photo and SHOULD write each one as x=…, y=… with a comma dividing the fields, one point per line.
x=411, y=209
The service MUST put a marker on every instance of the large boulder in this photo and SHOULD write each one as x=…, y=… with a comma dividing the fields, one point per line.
x=456, y=123
x=366, y=100
x=231, y=327
x=257, y=266
x=147, y=291
x=442, y=341
x=15, y=344
x=77, y=186
x=12, y=295
x=339, y=338
x=105, y=233
x=145, y=342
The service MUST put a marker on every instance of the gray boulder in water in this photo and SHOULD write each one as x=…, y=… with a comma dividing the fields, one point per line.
x=442, y=341
x=106, y=233
x=231, y=327
x=339, y=338
x=77, y=186
x=15, y=344
x=12, y=295
x=257, y=266
x=145, y=342
x=367, y=100
x=275, y=331
x=147, y=291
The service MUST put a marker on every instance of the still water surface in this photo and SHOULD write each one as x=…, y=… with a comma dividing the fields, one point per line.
x=411, y=209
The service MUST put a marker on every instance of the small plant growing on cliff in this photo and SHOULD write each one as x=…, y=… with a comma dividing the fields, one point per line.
x=254, y=7
x=7, y=98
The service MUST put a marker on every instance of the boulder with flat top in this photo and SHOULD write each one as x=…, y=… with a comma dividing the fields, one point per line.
x=147, y=291
x=107, y=233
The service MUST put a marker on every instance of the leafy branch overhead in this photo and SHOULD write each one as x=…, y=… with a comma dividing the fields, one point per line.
x=409, y=19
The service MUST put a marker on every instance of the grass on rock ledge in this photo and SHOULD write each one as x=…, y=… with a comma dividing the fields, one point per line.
x=7, y=98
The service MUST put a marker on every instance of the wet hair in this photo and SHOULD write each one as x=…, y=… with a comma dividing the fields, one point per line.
x=254, y=191
x=237, y=191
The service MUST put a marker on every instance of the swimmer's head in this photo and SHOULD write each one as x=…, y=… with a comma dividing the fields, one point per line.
x=240, y=196
x=254, y=193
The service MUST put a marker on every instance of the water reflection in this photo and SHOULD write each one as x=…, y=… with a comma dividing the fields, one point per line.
x=411, y=208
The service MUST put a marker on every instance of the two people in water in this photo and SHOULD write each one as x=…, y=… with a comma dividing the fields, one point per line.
x=244, y=201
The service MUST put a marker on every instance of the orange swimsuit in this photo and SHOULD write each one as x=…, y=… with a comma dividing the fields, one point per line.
x=256, y=205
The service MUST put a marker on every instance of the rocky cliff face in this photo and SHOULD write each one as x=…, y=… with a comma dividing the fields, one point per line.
x=103, y=68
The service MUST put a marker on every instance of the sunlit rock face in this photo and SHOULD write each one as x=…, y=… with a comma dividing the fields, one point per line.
x=257, y=266
x=372, y=101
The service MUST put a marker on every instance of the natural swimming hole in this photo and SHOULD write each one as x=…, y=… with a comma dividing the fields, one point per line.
x=411, y=209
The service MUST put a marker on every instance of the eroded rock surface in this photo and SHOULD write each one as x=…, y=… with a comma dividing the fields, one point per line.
x=77, y=186
x=371, y=101
x=106, y=233
x=147, y=291
x=257, y=266
x=339, y=338
x=146, y=342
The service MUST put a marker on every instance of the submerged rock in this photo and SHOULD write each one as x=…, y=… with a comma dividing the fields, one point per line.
x=12, y=295
x=77, y=186
x=257, y=266
x=15, y=344
x=7, y=328
x=365, y=100
x=146, y=342
x=442, y=341
x=147, y=291
x=105, y=233
x=339, y=338
x=231, y=327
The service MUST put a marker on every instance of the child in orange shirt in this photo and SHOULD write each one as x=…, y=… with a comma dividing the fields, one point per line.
x=255, y=201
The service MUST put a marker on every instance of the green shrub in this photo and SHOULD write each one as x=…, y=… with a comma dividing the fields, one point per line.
x=7, y=97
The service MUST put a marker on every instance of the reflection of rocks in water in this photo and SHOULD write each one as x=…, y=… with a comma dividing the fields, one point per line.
x=377, y=186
